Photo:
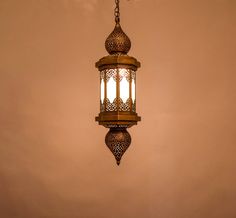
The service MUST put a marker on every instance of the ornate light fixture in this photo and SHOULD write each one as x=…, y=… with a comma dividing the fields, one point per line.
x=118, y=90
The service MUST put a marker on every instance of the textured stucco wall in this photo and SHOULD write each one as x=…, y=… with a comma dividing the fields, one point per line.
x=53, y=160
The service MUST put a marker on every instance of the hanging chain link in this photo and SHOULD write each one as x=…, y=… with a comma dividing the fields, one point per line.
x=117, y=11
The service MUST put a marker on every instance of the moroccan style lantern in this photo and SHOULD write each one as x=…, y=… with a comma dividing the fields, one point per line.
x=118, y=90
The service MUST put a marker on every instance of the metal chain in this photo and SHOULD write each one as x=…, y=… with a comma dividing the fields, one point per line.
x=117, y=11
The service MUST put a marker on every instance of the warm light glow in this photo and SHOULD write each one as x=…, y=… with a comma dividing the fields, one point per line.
x=124, y=85
x=111, y=89
x=133, y=90
x=102, y=90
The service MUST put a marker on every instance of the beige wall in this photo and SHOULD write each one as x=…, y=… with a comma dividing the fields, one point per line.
x=53, y=160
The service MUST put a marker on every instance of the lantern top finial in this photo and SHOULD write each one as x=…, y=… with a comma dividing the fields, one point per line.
x=118, y=42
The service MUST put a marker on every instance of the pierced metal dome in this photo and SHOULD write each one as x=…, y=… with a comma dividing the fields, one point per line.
x=118, y=140
x=118, y=42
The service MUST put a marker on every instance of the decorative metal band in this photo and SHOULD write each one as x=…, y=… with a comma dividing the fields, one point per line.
x=111, y=106
x=124, y=73
x=110, y=73
x=117, y=126
x=124, y=106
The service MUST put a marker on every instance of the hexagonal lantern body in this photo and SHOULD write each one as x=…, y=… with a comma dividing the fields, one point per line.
x=118, y=91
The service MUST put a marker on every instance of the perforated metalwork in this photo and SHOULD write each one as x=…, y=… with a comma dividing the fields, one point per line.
x=117, y=126
x=118, y=42
x=124, y=106
x=111, y=106
x=110, y=73
x=124, y=73
x=118, y=140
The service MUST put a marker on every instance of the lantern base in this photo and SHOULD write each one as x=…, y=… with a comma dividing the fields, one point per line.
x=118, y=140
x=118, y=119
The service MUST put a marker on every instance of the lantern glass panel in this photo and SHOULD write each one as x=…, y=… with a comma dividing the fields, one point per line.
x=124, y=84
x=102, y=90
x=133, y=89
x=111, y=88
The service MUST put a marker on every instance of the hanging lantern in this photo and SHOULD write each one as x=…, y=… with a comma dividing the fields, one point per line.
x=118, y=90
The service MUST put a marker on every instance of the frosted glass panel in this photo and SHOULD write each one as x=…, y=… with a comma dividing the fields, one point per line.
x=124, y=85
x=102, y=90
x=111, y=89
x=133, y=90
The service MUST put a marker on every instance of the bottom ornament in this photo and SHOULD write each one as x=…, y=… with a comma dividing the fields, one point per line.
x=118, y=140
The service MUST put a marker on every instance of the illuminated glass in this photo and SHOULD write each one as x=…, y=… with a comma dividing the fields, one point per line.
x=124, y=84
x=111, y=89
x=133, y=89
x=102, y=90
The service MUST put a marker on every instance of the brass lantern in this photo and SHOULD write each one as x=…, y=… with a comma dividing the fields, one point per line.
x=118, y=90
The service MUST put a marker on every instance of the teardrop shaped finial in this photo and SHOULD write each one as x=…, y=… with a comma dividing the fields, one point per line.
x=118, y=140
x=118, y=162
x=118, y=42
